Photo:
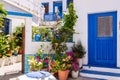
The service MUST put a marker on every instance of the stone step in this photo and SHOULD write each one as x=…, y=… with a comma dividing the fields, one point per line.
x=100, y=75
x=103, y=69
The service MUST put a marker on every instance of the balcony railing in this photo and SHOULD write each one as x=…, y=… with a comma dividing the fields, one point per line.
x=32, y=6
x=52, y=16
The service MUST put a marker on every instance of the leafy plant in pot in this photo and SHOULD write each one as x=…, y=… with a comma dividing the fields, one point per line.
x=61, y=35
x=79, y=52
x=62, y=66
x=18, y=38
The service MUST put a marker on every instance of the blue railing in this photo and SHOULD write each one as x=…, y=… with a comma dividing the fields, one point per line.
x=52, y=16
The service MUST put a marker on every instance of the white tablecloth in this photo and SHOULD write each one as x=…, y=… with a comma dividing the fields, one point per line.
x=24, y=77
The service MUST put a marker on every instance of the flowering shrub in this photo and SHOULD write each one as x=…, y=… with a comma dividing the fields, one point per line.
x=64, y=63
x=35, y=63
x=54, y=66
x=75, y=66
x=74, y=61
x=40, y=51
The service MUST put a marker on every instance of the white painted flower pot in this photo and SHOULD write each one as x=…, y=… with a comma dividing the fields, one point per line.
x=80, y=62
x=75, y=74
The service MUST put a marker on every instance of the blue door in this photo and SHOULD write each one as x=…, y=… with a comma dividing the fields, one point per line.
x=102, y=39
x=57, y=7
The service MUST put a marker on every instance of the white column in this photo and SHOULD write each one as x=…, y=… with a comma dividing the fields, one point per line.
x=50, y=6
x=28, y=35
x=64, y=5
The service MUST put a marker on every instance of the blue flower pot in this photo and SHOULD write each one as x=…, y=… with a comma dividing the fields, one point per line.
x=37, y=37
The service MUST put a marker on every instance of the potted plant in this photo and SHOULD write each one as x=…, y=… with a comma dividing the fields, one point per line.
x=75, y=71
x=35, y=63
x=75, y=65
x=18, y=38
x=75, y=68
x=79, y=52
x=11, y=42
x=62, y=66
x=61, y=35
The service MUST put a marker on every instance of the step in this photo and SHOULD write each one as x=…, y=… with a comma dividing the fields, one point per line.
x=104, y=69
x=100, y=75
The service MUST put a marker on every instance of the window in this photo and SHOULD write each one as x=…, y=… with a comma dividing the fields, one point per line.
x=46, y=6
x=105, y=26
x=6, y=24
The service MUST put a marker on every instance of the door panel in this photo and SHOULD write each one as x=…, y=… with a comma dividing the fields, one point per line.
x=102, y=40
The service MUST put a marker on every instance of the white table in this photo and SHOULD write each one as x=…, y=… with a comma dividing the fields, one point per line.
x=24, y=77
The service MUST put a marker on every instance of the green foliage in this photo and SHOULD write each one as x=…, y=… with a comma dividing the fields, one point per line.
x=64, y=63
x=11, y=43
x=55, y=66
x=40, y=50
x=2, y=10
x=70, y=19
x=18, y=36
x=78, y=50
x=62, y=34
x=34, y=31
x=3, y=45
x=35, y=63
x=3, y=14
x=43, y=31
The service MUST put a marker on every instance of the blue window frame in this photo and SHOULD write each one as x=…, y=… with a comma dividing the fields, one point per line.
x=68, y=1
x=6, y=24
x=46, y=6
x=57, y=6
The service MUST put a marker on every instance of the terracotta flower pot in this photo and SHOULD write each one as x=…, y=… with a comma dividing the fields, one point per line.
x=63, y=75
x=20, y=51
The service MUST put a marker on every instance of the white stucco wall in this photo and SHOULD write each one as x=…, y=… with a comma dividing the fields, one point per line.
x=85, y=7
x=15, y=22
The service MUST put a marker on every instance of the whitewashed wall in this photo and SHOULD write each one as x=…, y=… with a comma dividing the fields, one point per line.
x=85, y=7
x=8, y=7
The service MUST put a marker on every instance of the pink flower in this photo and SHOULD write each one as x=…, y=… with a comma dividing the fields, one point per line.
x=40, y=60
x=63, y=65
x=69, y=57
x=63, y=59
x=46, y=60
x=53, y=62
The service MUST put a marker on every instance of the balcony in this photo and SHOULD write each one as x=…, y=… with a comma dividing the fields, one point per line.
x=52, y=16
